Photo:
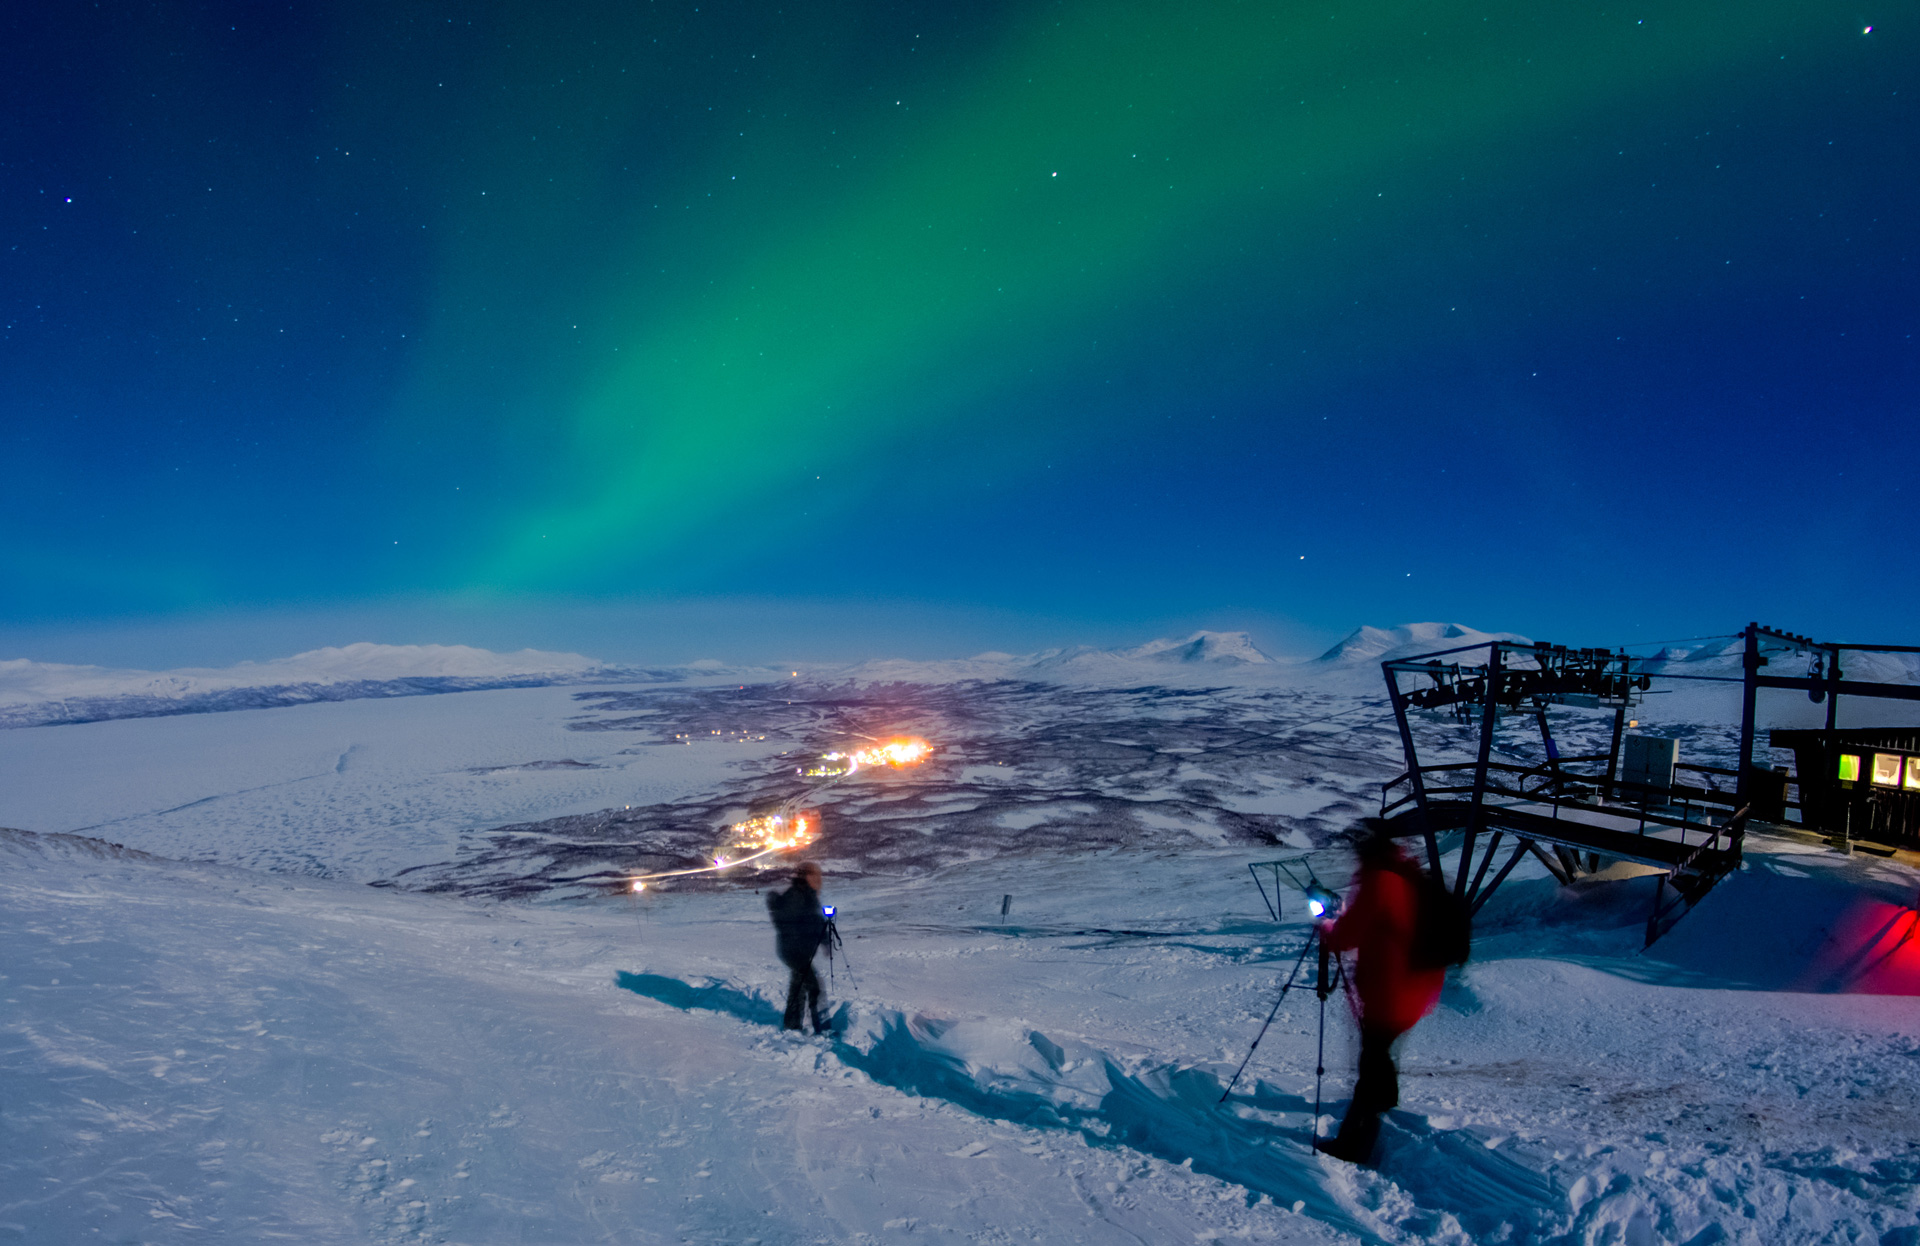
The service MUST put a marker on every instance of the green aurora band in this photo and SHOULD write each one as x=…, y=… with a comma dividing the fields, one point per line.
x=1100, y=173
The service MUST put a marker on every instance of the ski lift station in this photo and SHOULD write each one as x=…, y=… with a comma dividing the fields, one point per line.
x=1640, y=800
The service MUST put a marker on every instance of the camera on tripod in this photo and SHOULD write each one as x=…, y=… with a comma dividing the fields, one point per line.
x=1323, y=904
x=832, y=942
x=1322, y=901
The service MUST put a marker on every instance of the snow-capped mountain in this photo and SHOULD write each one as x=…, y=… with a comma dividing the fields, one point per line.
x=1373, y=645
x=1211, y=655
x=1722, y=656
x=1202, y=647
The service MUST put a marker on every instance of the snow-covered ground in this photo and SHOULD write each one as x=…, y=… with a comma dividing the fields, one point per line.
x=356, y=789
x=250, y=1045
x=193, y=1052
x=42, y=693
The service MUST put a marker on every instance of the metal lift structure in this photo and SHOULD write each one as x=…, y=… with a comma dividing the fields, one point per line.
x=1570, y=812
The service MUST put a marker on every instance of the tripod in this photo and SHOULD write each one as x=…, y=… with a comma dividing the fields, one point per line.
x=1331, y=973
x=832, y=941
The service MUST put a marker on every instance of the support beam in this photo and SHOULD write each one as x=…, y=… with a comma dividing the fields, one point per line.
x=1486, y=859
x=1833, y=687
x=1553, y=750
x=1413, y=764
x=1489, y=720
x=1613, y=753
x=1852, y=687
x=1552, y=867
x=1653, y=916
x=1750, y=664
x=1519, y=850
x=1433, y=844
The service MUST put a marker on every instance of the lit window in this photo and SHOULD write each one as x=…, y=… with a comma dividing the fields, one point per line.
x=1849, y=767
x=1913, y=774
x=1886, y=769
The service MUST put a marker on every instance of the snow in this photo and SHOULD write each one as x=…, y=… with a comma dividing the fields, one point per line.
x=195, y=1051
x=1203, y=647
x=219, y=1033
x=1373, y=645
x=40, y=693
x=355, y=789
x=25, y=683
x=1203, y=656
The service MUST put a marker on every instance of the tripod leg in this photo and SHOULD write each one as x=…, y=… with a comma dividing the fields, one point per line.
x=1256, y=1044
x=832, y=941
x=1287, y=986
x=1319, y=1071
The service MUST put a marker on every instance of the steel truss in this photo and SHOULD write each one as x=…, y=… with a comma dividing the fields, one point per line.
x=1569, y=812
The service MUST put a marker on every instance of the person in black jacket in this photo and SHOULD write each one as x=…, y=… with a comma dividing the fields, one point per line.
x=799, y=928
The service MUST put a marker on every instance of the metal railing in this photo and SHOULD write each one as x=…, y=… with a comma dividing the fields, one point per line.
x=1560, y=789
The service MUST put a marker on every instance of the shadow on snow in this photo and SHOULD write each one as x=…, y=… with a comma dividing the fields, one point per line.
x=1006, y=1072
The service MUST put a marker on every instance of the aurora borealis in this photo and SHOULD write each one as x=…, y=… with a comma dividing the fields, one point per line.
x=1571, y=318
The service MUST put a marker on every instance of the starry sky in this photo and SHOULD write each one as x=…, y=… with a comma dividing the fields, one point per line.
x=1577, y=320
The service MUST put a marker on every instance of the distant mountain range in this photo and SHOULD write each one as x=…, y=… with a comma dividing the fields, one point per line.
x=41, y=694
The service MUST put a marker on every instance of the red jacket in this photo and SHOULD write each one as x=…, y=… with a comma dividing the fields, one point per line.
x=1379, y=925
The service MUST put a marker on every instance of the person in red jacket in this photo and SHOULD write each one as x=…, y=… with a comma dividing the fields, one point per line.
x=1379, y=927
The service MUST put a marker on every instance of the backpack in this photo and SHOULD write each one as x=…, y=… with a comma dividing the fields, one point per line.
x=1442, y=927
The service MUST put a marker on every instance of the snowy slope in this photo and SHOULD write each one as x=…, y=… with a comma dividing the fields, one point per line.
x=197, y=1054
x=194, y=1053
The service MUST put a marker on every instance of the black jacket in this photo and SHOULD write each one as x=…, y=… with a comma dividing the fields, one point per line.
x=798, y=923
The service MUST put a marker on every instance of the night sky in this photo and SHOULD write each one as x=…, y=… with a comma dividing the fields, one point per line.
x=1584, y=321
